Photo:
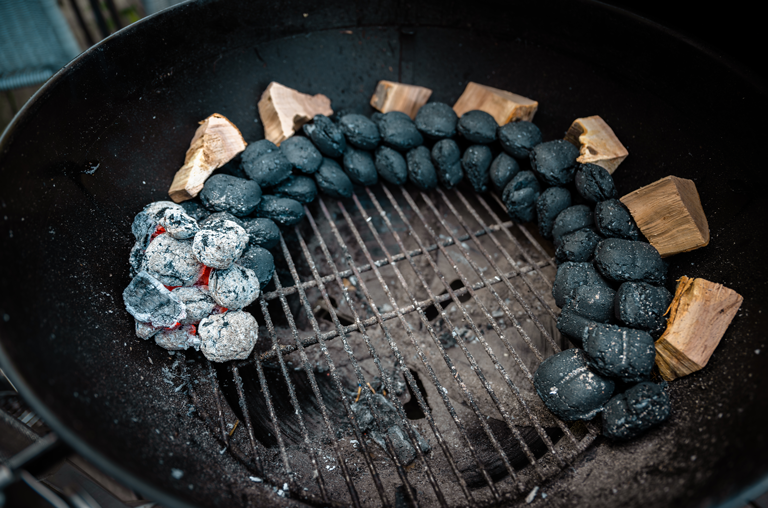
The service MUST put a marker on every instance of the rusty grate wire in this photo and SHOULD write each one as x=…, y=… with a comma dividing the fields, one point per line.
x=478, y=273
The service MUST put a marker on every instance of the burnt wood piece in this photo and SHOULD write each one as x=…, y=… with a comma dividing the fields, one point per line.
x=503, y=106
x=392, y=96
x=597, y=143
x=284, y=110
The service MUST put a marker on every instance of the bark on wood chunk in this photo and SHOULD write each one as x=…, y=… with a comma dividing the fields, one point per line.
x=284, y=110
x=597, y=143
x=214, y=144
x=391, y=96
x=669, y=214
x=698, y=317
x=503, y=106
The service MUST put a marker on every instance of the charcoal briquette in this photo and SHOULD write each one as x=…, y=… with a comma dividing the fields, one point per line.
x=265, y=163
x=503, y=168
x=359, y=167
x=619, y=352
x=137, y=259
x=298, y=187
x=594, y=183
x=221, y=247
x=593, y=301
x=326, y=135
x=172, y=262
x=436, y=120
x=548, y=206
x=520, y=197
x=572, y=219
x=577, y=246
x=178, y=224
x=421, y=172
x=569, y=388
x=570, y=277
x=284, y=211
x=235, y=287
x=476, y=162
x=477, y=126
x=555, y=162
x=145, y=330
x=195, y=209
x=519, y=138
x=302, y=154
x=198, y=302
x=228, y=336
x=262, y=232
x=613, y=220
x=146, y=221
x=332, y=181
x=218, y=221
x=360, y=131
x=446, y=157
x=629, y=414
x=261, y=261
x=178, y=339
x=641, y=305
x=224, y=193
x=398, y=131
x=628, y=261
x=148, y=301
x=574, y=326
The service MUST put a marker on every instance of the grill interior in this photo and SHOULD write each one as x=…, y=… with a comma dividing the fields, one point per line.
x=433, y=299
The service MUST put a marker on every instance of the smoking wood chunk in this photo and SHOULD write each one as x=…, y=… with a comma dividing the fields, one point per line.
x=391, y=96
x=596, y=142
x=669, y=214
x=503, y=106
x=698, y=317
x=214, y=144
x=284, y=110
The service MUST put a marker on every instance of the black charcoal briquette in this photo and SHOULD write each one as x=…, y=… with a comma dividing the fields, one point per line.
x=555, y=162
x=218, y=220
x=572, y=219
x=436, y=120
x=519, y=138
x=220, y=247
x=224, y=193
x=477, y=126
x=594, y=183
x=265, y=163
x=421, y=172
x=641, y=407
x=298, y=187
x=398, y=131
x=476, y=162
x=623, y=353
x=172, y=261
x=302, y=154
x=332, y=181
x=577, y=246
x=613, y=220
x=574, y=326
x=447, y=159
x=359, y=167
x=569, y=388
x=641, y=305
x=361, y=132
x=326, y=135
x=284, y=211
x=149, y=301
x=570, y=276
x=195, y=209
x=627, y=261
x=503, y=169
x=520, y=197
x=262, y=232
x=259, y=260
x=549, y=205
x=593, y=301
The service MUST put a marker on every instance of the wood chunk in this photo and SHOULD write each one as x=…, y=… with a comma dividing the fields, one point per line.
x=215, y=143
x=698, y=317
x=503, y=106
x=596, y=142
x=391, y=96
x=284, y=110
x=669, y=214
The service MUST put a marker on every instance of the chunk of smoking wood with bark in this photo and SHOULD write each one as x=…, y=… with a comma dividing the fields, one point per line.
x=215, y=143
x=698, y=318
x=503, y=106
x=669, y=214
x=284, y=110
x=392, y=96
x=597, y=143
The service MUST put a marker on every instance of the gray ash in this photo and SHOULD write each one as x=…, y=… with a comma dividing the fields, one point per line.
x=476, y=162
x=198, y=302
x=178, y=339
x=148, y=300
x=421, y=172
x=179, y=224
x=234, y=287
x=359, y=167
x=221, y=247
x=477, y=127
x=228, y=336
x=172, y=261
x=145, y=330
x=146, y=221
x=332, y=181
x=391, y=165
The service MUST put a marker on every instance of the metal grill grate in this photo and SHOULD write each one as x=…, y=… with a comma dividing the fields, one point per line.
x=405, y=277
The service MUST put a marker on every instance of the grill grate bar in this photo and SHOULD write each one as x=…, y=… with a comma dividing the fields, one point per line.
x=398, y=355
x=217, y=397
x=247, y=416
x=273, y=417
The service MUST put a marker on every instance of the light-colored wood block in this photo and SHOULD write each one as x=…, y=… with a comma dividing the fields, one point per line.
x=669, y=214
x=391, y=96
x=698, y=317
x=503, y=106
x=214, y=144
x=284, y=110
x=596, y=142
